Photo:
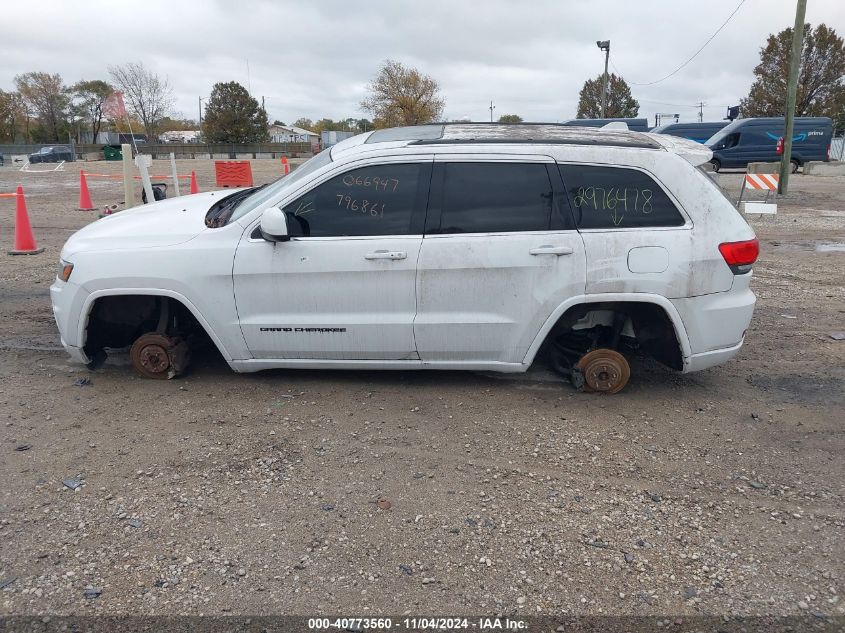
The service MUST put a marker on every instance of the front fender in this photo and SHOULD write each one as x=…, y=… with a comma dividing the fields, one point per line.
x=155, y=292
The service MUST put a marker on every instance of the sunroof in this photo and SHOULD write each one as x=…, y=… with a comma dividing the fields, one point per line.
x=410, y=133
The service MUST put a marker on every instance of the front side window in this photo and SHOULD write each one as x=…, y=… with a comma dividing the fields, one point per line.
x=617, y=198
x=375, y=200
x=495, y=198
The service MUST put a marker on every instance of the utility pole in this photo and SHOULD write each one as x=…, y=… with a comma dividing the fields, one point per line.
x=791, y=90
x=199, y=100
x=492, y=107
x=605, y=46
x=701, y=105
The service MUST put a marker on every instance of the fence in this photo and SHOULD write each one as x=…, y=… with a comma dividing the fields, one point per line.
x=226, y=150
x=181, y=150
x=837, y=149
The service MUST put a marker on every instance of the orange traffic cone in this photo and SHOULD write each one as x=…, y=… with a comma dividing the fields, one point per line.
x=84, y=196
x=285, y=165
x=194, y=187
x=24, y=241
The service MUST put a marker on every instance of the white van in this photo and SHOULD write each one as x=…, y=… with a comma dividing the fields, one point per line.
x=447, y=246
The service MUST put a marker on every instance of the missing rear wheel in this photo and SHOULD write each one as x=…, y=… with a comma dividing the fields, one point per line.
x=604, y=370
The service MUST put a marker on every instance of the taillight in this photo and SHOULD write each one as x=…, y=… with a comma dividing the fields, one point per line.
x=740, y=255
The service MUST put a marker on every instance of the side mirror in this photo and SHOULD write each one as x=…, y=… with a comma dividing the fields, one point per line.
x=274, y=225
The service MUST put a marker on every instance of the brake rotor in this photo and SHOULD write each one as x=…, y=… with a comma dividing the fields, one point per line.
x=158, y=356
x=604, y=370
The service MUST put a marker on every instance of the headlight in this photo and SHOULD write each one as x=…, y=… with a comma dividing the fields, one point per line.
x=65, y=269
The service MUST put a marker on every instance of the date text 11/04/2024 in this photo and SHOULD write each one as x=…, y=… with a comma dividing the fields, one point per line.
x=417, y=624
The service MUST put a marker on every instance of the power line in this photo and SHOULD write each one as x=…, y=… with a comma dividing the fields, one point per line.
x=703, y=46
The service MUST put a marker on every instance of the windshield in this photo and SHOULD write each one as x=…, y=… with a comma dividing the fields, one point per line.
x=260, y=197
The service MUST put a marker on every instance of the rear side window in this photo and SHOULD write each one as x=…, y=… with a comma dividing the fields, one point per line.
x=376, y=200
x=617, y=198
x=495, y=198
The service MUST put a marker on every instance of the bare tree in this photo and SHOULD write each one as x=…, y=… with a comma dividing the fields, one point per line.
x=46, y=97
x=403, y=96
x=147, y=94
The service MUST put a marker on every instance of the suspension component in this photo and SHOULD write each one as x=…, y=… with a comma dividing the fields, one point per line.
x=159, y=356
x=604, y=370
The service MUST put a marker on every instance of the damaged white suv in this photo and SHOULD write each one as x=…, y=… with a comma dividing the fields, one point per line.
x=466, y=246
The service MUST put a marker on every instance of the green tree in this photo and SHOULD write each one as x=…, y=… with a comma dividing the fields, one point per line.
x=47, y=100
x=280, y=123
x=620, y=103
x=90, y=98
x=305, y=124
x=821, y=78
x=510, y=118
x=234, y=116
x=403, y=96
x=13, y=117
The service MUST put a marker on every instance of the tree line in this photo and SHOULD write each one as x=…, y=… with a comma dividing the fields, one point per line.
x=43, y=109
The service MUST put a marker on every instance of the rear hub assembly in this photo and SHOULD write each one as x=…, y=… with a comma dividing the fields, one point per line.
x=604, y=370
x=159, y=356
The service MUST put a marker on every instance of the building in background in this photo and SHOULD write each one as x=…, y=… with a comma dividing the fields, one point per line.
x=292, y=134
x=180, y=136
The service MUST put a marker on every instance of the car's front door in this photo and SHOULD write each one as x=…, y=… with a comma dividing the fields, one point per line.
x=500, y=254
x=343, y=287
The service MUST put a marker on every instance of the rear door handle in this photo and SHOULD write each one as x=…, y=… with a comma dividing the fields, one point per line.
x=386, y=255
x=548, y=249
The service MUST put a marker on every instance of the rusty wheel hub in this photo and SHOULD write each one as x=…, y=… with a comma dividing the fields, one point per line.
x=604, y=370
x=159, y=356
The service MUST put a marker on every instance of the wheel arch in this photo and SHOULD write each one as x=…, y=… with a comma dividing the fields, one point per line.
x=560, y=312
x=91, y=300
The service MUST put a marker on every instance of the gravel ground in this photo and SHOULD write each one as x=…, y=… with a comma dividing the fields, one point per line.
x=304, y=492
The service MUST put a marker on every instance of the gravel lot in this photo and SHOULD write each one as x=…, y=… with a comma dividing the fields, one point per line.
x=717, y=493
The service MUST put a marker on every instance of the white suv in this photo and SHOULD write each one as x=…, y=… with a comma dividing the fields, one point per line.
x=467, y=246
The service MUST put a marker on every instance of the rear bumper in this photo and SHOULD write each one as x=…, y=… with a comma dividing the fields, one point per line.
x=697, y=362
x=716, y=323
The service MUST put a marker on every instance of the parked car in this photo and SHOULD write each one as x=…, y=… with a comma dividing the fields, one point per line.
x=755, y=140
x=51, y=154
x=698, y=132
x=460, y=246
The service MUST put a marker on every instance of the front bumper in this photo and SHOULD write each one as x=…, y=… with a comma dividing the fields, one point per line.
x=67, y=299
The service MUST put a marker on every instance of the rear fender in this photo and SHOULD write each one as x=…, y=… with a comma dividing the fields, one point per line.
x=634, y=297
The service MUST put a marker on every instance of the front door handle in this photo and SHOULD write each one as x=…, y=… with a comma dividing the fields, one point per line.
x=386, y=255
x=548, y=249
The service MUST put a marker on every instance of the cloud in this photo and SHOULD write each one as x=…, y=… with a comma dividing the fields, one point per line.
x=315, y=59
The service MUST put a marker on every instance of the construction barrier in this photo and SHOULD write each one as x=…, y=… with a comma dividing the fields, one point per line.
x=285, y=165
x=759, y=182
x=234, y=173
x=24, y=239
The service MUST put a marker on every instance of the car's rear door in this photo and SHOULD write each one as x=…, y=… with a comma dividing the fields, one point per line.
x=500, y=253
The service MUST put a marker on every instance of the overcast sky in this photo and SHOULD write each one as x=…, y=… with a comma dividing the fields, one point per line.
x=315, y=58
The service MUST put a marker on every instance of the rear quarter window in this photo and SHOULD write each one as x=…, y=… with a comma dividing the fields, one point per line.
x=617, y=198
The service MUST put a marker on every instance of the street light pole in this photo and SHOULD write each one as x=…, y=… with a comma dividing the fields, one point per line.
x=605, y=46
x=791, y=90
x=200, y=137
